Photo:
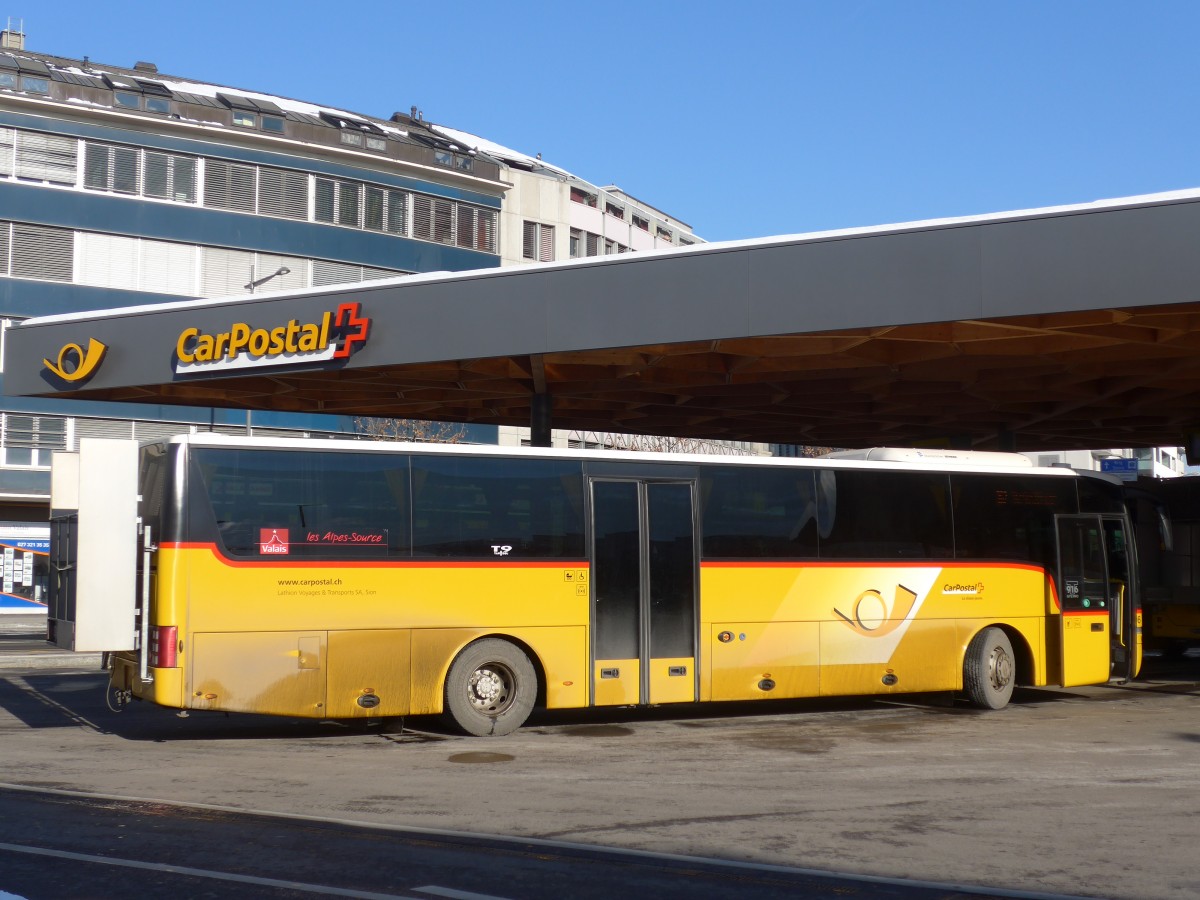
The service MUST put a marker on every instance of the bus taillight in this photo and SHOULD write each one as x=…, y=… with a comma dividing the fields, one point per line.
x=162, y=646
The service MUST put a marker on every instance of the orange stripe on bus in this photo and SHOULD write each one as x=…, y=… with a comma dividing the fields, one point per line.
x=375, y=563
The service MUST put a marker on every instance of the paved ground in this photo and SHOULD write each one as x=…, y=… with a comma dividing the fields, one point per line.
x=1087, y=791
x=23, y=645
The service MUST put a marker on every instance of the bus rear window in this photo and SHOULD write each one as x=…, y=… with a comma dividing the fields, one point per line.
x=275, y=504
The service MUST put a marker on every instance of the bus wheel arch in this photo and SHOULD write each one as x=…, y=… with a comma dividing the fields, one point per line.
x=992, y=665
x=491, y=687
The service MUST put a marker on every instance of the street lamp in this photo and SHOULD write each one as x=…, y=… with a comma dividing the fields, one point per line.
x=282, y=270
x=255, y=282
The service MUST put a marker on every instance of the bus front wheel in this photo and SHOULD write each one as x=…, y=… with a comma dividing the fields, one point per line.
x=490, y=688
x=989, y=669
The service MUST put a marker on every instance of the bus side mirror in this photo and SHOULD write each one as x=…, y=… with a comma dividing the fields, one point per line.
x=1164, y=529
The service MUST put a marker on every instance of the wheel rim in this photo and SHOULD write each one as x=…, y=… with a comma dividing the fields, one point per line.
x=491, y=689
x=1000, y=668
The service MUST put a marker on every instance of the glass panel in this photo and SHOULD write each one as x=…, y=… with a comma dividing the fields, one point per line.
x=35, y=85
x=185, y=179
x=1085, y=584
x=128, y=100
x=490, y=508
x=616, y=571
x=125, y=170
x=1096, y=496
x=397, y=212
x=373, y=209
x=672, y=571
x=158, y=175
x=318, y=505
x=466, y=226
x=95, y=163
x=324, y=208
x=158, y=105
x=272, y=123
x=1009, y=517
x=244, y=119
x=885, y=515
x=348, y=200
x=443, y=220
x=752, y=512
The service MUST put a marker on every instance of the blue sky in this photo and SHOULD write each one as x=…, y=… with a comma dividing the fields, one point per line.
x=743, y=119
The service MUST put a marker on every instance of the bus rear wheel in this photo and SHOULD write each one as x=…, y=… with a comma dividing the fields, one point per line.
x=490, y=689
x=989, y=669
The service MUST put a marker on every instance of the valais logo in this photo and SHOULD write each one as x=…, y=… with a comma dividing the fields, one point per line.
x=273, y=541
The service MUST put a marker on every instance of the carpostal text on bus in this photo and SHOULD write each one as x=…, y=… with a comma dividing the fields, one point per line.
x=336, y=335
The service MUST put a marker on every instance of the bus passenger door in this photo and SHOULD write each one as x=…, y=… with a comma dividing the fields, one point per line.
x=644, y=587
x=1094, y=599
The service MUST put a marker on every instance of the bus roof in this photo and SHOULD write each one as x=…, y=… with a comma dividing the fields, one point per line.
x=939, y=457
x=958, y=461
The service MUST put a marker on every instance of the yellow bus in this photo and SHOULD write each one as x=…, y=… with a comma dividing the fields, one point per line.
x=347, y=579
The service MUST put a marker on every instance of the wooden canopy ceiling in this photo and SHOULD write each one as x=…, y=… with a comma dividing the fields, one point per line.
x=1068, y=380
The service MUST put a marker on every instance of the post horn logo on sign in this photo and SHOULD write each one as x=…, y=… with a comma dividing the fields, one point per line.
x=336, y=336
x=74, y=365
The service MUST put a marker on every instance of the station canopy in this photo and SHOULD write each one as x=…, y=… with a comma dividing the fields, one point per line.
x=1048, y=329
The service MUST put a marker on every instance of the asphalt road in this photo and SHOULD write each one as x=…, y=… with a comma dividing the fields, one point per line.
x=54, y=845
x=1084, y=792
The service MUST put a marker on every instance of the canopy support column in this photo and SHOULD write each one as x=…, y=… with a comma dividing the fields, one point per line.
x=540, y=409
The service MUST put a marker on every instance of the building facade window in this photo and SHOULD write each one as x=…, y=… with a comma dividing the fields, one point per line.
x=35, y=85
x=110, y=168
x=48, y=158
x=229, y=185
x=31, y=440
x=538, y=242
x=338, y=202
x=578, y=195
x=282, y=193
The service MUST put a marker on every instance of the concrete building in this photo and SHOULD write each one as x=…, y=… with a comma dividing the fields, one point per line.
x=126, y=186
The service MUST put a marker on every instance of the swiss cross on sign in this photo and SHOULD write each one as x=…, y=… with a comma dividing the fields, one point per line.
x=273, y=541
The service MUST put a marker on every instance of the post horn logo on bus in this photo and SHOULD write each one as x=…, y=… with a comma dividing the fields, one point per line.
x=337, y=336
x=74, y=365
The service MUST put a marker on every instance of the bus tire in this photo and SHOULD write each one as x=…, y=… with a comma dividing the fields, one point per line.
x=490, y=688
x=989, y=669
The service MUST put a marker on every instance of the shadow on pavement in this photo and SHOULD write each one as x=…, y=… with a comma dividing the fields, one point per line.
x=54, y=699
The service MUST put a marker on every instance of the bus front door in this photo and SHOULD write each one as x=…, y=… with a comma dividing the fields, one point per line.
x=1095, y=594
x=644, y=588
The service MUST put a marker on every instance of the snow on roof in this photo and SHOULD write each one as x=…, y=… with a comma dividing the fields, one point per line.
x=491, y=148
x=202, y=88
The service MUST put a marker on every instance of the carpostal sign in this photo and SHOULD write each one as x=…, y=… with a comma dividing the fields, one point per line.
x=336, y=335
